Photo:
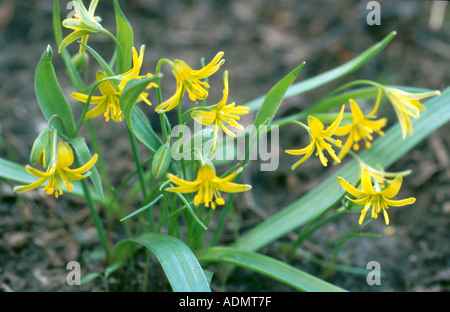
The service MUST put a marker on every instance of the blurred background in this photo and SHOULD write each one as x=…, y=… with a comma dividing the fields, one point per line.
x=263, y=40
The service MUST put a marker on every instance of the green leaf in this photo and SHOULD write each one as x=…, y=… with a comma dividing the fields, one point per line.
x=273, y=99
x=83, y=153
x=109, y=72
x=331, y=75
x=135, y=118
x=267, y=266
x=140, y=210
x=384, y=152
x=178, y=262
x=50, y=96
x=125, y=37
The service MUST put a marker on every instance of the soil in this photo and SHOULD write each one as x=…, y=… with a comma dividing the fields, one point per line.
x=262, y=41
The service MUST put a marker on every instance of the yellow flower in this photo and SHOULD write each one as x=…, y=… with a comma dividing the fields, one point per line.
x=84, y=24
x=361, y=128
x=107, y=103
x=378, y=199
x=190, y=80
x=208, y=186
x=133, y=73
x=57, y=172
x=221, y=114
x=318, y=136
x=407, y=104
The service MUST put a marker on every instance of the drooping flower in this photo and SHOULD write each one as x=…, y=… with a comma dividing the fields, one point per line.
x=133, y=73
x=84, y=24
x=375, y=197
x=318, y=135
x=361, y=128
x=190, y=80
x=221, y=114
x=381, y=176
x=208, y=186
x=58, y=173
x=406, y=105
x=108, y=103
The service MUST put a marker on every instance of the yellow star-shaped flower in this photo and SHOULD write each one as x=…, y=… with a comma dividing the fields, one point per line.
x=360, y=129
x=108, y=103
x=190, y=80
x=406, y=105
x=134, y=73
x=377, y=198
x=58, y=171
x=221, y=114
x=208, y=186
x=318, y=137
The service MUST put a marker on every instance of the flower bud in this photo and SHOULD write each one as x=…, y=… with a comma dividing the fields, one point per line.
x=79, y=60
x=41, y=150
x=161, y=161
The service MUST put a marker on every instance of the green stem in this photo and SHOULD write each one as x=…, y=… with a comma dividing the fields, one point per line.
x=226, y=209
x=96, y=218
x=140, y=170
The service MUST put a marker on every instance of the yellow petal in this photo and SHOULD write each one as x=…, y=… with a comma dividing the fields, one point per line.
x=401, y=202
x=30, y=186
x=358, y=116
x=205, y=118
x=230, y=187
x=315, y=125
x=85, y=167
x=332, y=128
x=393, y=188
x=366, y=183
x=350, y=188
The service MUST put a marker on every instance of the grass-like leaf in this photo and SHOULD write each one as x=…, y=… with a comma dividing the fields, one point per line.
x=267, y=266
x=125, y=37
x=331, y=75
x=50, y=96
x=178, y=262
x=273, y=99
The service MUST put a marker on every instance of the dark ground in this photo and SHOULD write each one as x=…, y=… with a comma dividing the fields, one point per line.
x=263, y=41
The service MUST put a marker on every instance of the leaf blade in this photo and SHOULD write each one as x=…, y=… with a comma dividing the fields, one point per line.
x=50, y=96
x=179, y=263
x=268, y=266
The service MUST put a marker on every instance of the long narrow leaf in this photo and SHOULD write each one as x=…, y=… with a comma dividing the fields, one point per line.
x=385, y=151
x=125, y=37
x=331, y=75
x=178, y=262
x=50, y=97
x=273, y=99
x=267, y=266
x=136, y=121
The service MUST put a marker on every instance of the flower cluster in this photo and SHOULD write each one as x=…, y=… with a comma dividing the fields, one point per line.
x=111, y=87
x=361, y=127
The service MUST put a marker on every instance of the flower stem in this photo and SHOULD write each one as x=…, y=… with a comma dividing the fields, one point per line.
x=96, y=218
x=140, y=171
